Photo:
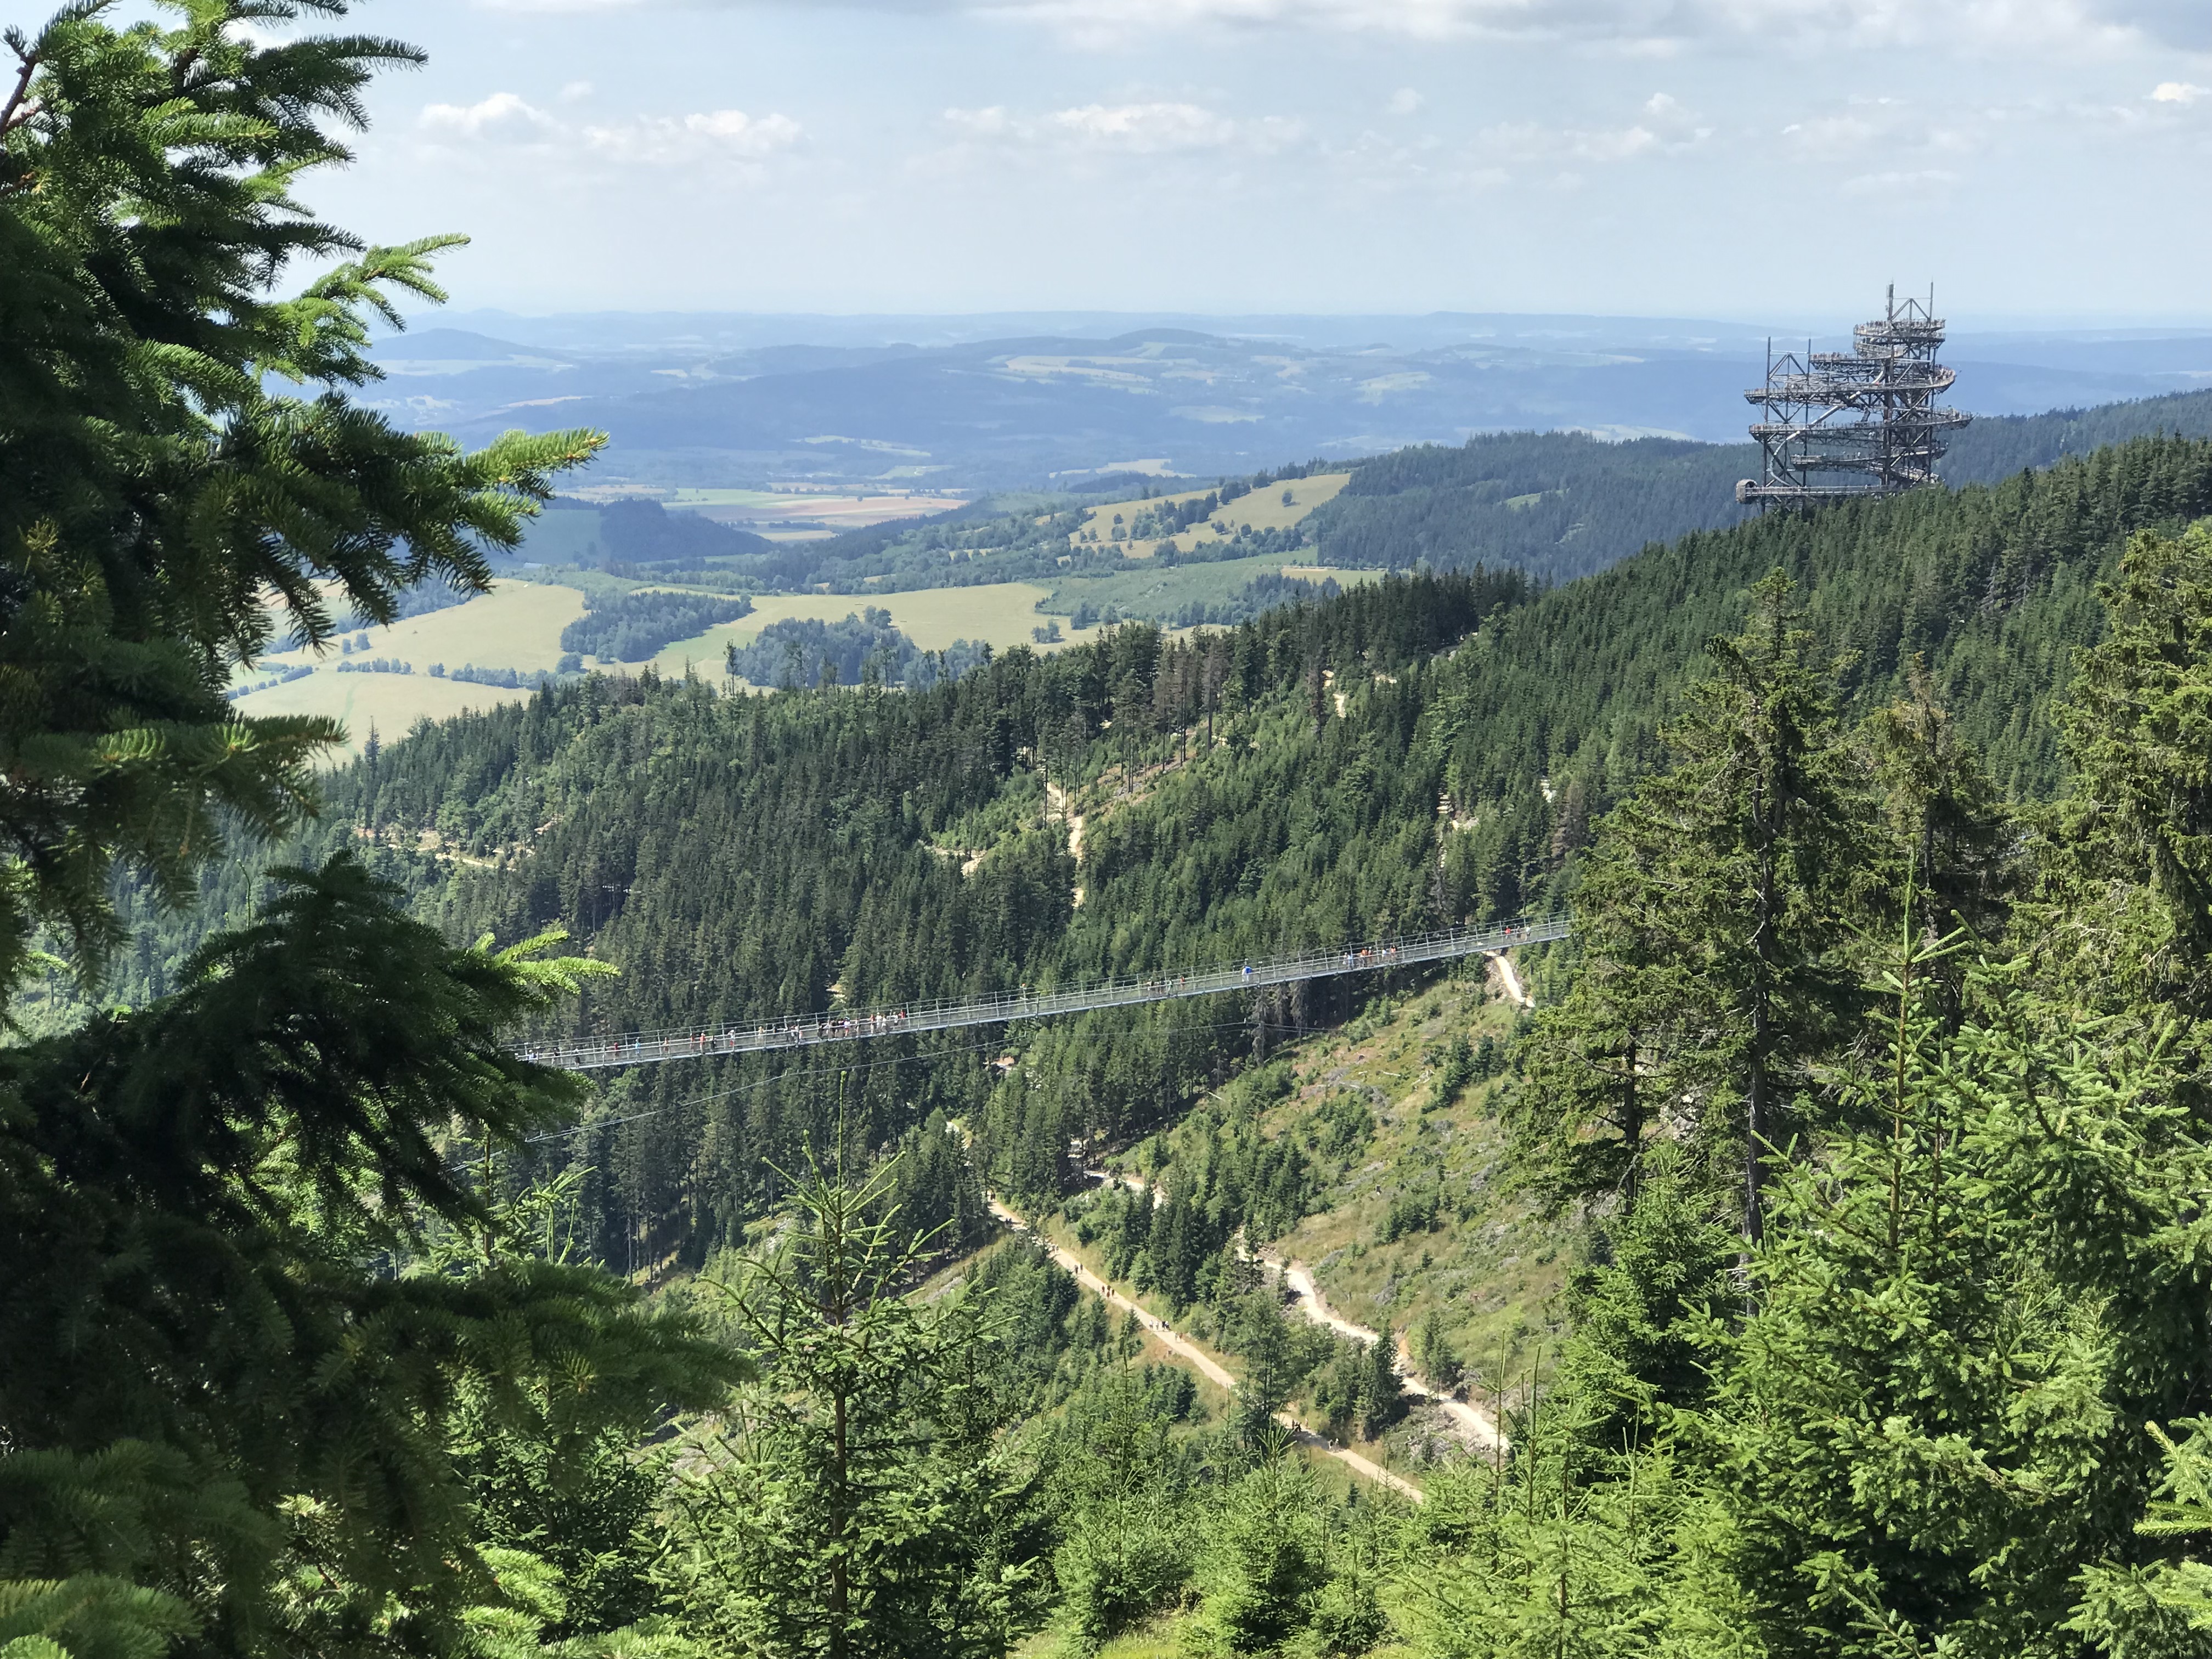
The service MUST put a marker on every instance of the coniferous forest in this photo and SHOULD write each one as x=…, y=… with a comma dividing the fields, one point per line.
x=1867, y=1102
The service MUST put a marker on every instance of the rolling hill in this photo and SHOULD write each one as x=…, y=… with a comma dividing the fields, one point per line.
x=1023, y=401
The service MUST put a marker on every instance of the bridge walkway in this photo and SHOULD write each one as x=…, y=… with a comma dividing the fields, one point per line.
x=813, y=1030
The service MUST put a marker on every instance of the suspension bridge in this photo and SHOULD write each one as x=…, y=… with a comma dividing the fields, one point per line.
x=851, y=1025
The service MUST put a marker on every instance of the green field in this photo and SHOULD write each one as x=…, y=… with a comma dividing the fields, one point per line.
x=1263, y=509
x=517, y=625
x=933, y=617
x=391, y=703
x=734, y=498
x=1151, y=590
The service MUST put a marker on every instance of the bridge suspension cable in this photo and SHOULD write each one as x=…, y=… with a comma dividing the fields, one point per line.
x=811, y=1031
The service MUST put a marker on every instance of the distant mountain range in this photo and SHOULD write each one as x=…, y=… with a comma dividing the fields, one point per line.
x=738, y=400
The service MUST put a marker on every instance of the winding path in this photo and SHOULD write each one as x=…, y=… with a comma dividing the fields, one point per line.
x=1205, y=1365
x=1476, y=1425
x=1305, y=1296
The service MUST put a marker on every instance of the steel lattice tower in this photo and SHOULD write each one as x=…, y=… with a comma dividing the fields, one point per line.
x=1842, y=425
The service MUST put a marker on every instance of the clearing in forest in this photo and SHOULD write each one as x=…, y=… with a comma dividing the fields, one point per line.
x=1002, y=613
x=517, y=625
x=1264, y=508
x=1157, y=590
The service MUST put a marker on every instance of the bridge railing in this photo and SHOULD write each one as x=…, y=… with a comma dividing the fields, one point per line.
x=807, y=1030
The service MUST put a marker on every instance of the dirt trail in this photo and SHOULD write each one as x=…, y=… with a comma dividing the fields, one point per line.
x=1473, y=1423
x=1056, y=806
x=1181, y=1346
x=1305, y=1296
x=1514, y=992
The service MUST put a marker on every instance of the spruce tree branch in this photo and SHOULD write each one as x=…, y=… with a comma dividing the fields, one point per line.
x=19, y=107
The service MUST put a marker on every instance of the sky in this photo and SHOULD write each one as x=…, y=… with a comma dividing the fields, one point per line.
x=2039, y=161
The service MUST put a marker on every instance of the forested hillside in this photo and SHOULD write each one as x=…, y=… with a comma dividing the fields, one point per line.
x=1430, y=749
x=1857, y=1142
x=1560, y=505
x=1996, y=447
x=1557, y=505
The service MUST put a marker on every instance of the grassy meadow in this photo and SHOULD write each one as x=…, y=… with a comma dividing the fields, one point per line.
x=1263, y=509
x=518, y=625
x=1165, y=589
x=933, y=617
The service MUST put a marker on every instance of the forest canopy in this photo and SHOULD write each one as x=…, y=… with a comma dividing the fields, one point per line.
x=1868, y=1100
x=637, y=626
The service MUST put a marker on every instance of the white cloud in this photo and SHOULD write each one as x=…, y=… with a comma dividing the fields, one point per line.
x=256, y=35
x=1909, y=184
x=1635, y=27
x=1159, y=127
x=664, y=140
x=2178, y=92
x=503, y=118
x=992, y=123
x=1404, y=101
x=1145, y=128
x=1663, y=127
x=506, y=119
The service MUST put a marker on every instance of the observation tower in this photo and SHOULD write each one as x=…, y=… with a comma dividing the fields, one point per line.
x=1844, y=425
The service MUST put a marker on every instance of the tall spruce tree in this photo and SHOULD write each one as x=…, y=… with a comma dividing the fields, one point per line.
x=1717, y=909
x=861, y=1504
x=2124, y=913
x=1935, y=1424
x=238, y=1386
x=161, y=474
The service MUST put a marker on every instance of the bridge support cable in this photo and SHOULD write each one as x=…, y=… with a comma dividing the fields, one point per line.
x=812, y=1031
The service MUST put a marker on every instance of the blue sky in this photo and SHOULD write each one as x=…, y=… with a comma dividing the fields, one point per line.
x=2042, y=160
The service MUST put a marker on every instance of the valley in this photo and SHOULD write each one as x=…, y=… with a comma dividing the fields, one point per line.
x=1103, y=985
x=1065, y=576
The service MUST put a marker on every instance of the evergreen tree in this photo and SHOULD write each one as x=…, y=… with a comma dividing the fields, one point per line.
x=861, y=1503
x=270, y=1360
x=2126, y=911
x=1124, y=1505
x=1644, y=1309
x=1953, y=831
x=1383, y=1397
x=1265, y=1560
x=239, y=1371
x=158, y=481
x=1719, y=913
x=1934, y=1424
x=1535, y=1557
x=2151, y=1610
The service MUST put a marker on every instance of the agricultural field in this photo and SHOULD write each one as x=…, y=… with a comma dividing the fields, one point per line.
x=1002, y=613
x=831, y=513
x=389, y=704
x=1163, y=590
x=1263, y=509
x=517, y=625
